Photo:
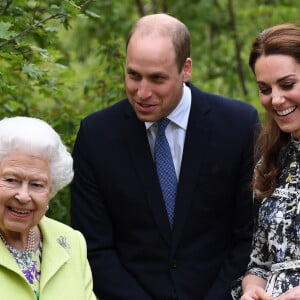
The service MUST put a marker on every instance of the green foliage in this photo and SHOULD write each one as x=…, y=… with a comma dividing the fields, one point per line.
x=61, y=60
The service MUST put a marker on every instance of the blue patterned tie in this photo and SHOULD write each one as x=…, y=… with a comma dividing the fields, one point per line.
x=165, y=168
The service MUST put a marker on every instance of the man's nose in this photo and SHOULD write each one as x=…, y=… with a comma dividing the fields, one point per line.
x=144, y=90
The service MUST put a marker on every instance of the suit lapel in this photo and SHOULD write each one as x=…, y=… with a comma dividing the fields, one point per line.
x=197, y=137
x=55, y=253
x=142, y=159
x=8, y=261
x=54, y=256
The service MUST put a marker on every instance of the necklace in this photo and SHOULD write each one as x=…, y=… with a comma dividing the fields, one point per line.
x=30, y=240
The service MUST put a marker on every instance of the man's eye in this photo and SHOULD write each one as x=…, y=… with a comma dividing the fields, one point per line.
x=133, y=75
x=158, y=78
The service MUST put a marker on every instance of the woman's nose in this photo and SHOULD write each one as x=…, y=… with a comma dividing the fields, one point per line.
x=23, y=193
x=277, y=98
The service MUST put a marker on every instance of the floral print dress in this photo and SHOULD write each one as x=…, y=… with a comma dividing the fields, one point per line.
x=276, y=243
x=30, y=264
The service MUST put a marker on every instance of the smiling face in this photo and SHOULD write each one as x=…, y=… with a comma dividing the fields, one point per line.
x=24, y=192
x=278, y=79
x=154, y=85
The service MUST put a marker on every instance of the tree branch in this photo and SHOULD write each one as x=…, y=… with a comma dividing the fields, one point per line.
x=25, y=31
x=6, y=7
x=237, y=44
x=85, y=4
x=140, y=7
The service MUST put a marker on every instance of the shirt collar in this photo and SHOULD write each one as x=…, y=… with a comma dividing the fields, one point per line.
x=180, y=114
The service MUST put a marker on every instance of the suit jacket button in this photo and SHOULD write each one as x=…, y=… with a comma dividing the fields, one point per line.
x=174, y=265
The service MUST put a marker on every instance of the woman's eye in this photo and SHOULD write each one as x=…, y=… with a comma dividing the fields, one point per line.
x=265, y=90
x=10, y=180
x=288, y=86
x=38, y=185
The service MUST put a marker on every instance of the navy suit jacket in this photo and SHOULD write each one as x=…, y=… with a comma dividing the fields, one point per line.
x=118, y=205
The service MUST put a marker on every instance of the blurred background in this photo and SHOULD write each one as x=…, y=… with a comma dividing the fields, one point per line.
x=62, y=60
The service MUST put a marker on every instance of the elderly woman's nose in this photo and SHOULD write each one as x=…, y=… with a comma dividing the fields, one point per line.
x=23, y=193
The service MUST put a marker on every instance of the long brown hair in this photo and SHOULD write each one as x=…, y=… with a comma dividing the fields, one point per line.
x=283, y=39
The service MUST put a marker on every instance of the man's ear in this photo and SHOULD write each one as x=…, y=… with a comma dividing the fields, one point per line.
x=187, y=69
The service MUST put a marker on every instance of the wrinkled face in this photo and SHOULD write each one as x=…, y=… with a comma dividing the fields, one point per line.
x=24, y=192
x=154, y=85
x=278, y=79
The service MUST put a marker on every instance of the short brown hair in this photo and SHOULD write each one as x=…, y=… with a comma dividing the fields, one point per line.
x=166, y=26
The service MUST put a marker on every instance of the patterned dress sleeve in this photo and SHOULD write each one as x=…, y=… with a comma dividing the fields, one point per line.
x=260, y=263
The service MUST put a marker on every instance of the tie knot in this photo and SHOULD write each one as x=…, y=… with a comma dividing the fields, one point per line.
x=162, y=124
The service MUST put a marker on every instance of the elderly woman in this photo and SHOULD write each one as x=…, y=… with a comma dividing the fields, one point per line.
x=40, y=257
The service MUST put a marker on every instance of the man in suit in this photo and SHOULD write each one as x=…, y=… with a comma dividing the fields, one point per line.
x=136, y=252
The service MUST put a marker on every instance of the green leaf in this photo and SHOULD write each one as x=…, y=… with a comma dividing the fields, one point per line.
x=5, y=33
x=55, y=9
x=14, y=106
x=33, y=71
x=92, y=14
x=43, y=52
x=70, y=7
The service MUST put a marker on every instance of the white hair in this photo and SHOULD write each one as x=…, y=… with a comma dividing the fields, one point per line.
x=36, y=137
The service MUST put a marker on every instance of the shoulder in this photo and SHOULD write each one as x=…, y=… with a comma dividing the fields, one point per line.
x=223, y=108
x=108, y=121
x=114, y=111
x=215, y=100
x=54, y=224
x=55, y=229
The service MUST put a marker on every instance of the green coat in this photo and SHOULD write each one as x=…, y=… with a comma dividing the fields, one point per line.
x=65, y=272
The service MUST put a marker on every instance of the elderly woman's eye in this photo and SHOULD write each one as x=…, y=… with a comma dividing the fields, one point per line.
x=10, y=179
x=38, y=185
